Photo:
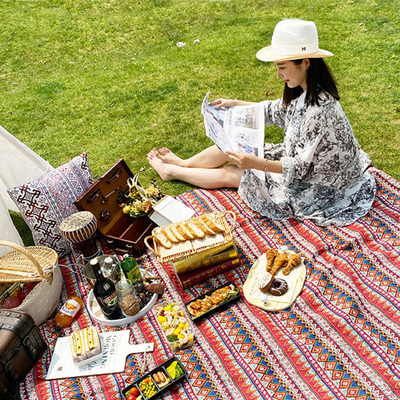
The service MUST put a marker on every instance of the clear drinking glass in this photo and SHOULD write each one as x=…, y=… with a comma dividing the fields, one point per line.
x=124, y=288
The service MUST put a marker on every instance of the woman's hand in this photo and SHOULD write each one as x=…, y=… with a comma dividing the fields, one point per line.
x=223, y=103
x=246, y=160
x=219, y=103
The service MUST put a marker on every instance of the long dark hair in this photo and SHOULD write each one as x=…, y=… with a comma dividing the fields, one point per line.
x=319, y=77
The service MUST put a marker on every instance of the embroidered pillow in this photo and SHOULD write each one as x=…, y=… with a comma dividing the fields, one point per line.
x=45, y=202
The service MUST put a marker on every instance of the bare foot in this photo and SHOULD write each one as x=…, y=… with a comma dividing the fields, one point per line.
x=158, y=165
x=167, y=156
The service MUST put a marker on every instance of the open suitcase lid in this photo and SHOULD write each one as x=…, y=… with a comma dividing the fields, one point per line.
x=101, y=198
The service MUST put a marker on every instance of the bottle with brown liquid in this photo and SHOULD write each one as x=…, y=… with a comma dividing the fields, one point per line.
x=68, y=312
x=105, y=293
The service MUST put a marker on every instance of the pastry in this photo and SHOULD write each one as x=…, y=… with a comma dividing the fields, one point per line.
x=280, y=261
x=270, y=254
x=85, y=345
x=265, y=281
x=279, y=287
x=294, y=261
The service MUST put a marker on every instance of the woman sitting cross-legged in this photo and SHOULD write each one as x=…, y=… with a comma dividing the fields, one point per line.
x=318, y=172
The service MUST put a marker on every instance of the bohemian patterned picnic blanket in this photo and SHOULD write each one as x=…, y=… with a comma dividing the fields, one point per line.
x=339, y=340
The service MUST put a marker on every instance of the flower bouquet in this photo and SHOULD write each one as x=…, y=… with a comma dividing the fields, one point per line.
x=138, y=201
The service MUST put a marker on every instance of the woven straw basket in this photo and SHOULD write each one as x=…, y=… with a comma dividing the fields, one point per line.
x=183, y=250
x=33, y=264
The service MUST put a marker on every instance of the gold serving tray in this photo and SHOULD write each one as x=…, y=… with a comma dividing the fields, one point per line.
x=187, y=248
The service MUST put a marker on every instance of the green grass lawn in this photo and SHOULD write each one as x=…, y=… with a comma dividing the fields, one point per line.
x=108, y=78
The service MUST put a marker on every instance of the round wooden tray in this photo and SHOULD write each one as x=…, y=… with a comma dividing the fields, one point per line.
x=295, y=281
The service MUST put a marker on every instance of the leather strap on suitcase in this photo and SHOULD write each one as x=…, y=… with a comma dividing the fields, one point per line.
x=21, y=346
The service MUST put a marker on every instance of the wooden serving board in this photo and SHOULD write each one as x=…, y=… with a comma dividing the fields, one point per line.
x=115, y=349
x=295, y=281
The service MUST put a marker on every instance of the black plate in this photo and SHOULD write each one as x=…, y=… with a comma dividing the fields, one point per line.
x=219, y=306
x=163, y=367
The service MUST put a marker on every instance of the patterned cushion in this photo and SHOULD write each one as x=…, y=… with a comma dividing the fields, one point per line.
x=44, y=203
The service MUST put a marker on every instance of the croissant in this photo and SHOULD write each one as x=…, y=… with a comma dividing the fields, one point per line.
x=294, y=261
x=270, y=255
x=280, y=261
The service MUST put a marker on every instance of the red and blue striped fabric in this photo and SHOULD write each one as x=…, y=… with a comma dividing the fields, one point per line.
x=339, y=340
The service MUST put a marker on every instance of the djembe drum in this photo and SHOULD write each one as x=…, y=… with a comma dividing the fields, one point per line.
x=79, y=229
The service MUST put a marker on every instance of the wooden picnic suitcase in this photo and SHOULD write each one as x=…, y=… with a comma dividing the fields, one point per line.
x=122, y=232
x=21, y=346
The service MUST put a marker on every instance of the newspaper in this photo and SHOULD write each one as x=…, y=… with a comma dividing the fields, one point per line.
x=237, y=129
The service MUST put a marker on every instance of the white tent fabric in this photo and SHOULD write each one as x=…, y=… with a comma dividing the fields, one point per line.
x=18, y=165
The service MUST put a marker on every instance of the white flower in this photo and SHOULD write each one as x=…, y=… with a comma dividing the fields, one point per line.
x=181, y=44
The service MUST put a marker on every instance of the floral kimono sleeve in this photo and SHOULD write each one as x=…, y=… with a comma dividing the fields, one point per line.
x=321, y=149
x=274, y=113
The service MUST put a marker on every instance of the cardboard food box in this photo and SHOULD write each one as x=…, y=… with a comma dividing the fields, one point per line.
x=122, y=232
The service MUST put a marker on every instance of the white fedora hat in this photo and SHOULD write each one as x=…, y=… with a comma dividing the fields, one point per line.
x=293, y=39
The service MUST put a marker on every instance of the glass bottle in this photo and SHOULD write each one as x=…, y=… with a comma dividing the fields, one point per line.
x=131, y=268
x=104, y=291
x=68, y=312
x=109, y=270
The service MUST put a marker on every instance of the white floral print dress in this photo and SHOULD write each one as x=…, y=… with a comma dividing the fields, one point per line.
x=324, y=175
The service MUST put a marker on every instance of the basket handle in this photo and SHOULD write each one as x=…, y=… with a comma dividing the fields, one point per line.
x=25, y=252
x=233, y=215
x=147, y=244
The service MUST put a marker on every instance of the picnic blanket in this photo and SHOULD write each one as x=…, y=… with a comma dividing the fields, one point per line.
x=339, y=340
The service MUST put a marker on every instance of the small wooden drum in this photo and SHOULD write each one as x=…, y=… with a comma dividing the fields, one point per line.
x=79, y=229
